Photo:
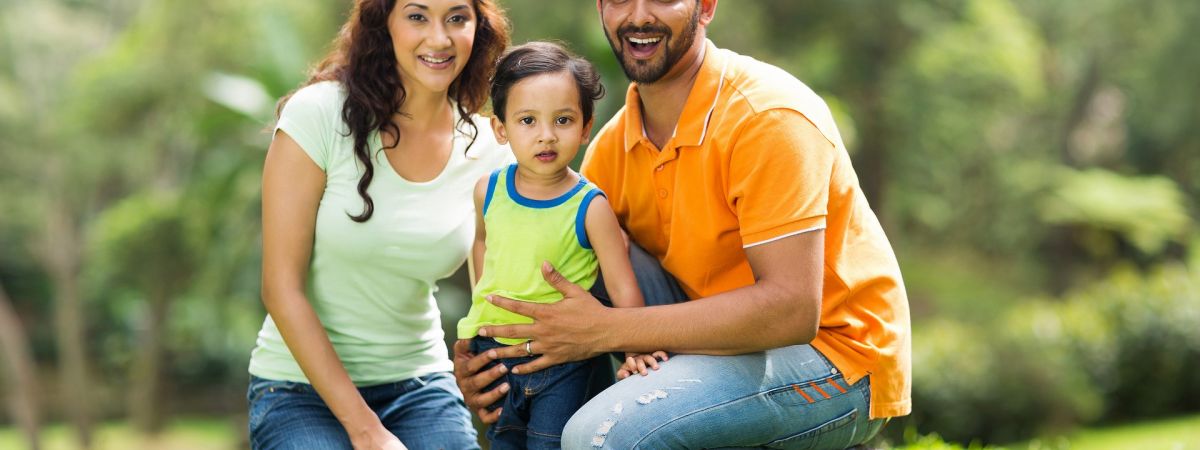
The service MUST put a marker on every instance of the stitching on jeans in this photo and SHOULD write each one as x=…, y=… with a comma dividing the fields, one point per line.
x=691, y=413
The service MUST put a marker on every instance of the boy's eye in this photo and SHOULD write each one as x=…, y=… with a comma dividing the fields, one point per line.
x=525, y=120
x=563, y=121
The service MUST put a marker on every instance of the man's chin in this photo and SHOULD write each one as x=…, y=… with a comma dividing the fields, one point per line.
x=643, y=72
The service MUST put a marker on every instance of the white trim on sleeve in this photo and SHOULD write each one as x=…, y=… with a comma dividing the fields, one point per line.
x=822, y=227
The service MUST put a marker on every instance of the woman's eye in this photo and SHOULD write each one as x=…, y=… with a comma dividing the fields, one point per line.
x=416, y=17
x=458, y=19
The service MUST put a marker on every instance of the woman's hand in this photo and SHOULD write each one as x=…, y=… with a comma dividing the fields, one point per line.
x=378, y=438
x=472, y=381
x=573, y=329
x=640, y=363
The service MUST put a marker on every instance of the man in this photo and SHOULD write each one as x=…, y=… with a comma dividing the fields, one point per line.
x=732, y=174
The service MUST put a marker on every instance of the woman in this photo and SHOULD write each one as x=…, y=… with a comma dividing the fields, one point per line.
x=367, y=201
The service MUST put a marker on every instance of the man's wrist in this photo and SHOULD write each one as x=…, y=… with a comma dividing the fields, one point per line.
x=613, y=338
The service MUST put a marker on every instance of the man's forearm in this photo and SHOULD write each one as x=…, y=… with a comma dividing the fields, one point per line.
x=745, y=320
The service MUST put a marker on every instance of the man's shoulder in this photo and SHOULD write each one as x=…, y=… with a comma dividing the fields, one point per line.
x=760, y=87
x=764, y=86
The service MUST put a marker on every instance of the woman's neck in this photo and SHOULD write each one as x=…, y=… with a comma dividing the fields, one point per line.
x=424, y=111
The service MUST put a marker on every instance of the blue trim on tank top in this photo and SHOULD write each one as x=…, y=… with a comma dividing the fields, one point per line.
x=531, y=203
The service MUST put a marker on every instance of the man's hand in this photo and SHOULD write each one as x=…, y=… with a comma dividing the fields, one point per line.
x=572, y=329
x=472, y=381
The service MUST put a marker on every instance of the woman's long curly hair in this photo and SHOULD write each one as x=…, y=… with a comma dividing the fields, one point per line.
x=364, y=62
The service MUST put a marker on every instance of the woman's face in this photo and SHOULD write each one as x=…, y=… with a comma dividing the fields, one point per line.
x=432, y=40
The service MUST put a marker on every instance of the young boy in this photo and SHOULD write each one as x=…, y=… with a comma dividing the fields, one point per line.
x=539, y=210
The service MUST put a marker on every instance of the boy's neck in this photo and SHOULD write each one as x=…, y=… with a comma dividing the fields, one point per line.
x=537, y=186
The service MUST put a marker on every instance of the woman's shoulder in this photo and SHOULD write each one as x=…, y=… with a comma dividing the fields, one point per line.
x=325, y=95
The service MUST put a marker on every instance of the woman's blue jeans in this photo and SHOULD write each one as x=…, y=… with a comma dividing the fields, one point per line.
x=786, y=398
x=425, y=413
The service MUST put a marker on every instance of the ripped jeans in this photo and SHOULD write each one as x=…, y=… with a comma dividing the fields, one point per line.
x=785, y=398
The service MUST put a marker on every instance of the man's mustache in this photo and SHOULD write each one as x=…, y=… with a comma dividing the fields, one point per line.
x=626, y=30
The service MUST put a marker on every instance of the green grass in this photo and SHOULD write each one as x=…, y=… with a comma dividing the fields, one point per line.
x=183, y=434
x=1180, y=433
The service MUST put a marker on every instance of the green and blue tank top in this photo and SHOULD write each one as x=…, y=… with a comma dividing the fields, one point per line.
x=521, y=233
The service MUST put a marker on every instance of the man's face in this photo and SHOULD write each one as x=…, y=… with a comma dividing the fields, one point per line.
x=649, y=36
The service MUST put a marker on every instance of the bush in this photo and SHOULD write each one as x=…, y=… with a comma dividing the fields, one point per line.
x=1128, y=347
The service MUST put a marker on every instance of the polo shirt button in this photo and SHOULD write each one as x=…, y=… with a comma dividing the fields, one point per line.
x=662, y=193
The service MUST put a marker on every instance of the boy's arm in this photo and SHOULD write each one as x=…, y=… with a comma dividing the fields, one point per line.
x=475, y=261
x=608, y=241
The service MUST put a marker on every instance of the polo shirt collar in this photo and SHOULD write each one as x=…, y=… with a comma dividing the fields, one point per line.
x=697, y=111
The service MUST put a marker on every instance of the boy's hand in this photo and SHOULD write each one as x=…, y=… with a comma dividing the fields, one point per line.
x=638, y=363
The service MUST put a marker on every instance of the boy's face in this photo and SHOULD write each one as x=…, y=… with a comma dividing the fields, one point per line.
x=543, y=123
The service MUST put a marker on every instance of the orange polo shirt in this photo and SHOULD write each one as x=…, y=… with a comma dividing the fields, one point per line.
x=757, y=157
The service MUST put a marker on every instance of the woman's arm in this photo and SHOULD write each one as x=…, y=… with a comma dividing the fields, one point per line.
x=292, y=190
x=608, y=241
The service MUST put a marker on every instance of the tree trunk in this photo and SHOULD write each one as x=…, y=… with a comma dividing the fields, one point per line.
x=62, y=257
x=15, y=349
x=145, y=390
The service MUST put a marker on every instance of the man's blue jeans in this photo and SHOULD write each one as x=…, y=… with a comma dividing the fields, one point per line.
x=786, y=398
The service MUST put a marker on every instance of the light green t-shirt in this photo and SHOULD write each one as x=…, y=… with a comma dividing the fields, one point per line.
x=372, y=283
x=521, y=233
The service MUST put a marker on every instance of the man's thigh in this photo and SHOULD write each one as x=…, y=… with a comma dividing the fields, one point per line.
x=783, y=398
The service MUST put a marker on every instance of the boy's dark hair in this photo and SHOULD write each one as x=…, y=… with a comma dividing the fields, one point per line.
x=541, y=57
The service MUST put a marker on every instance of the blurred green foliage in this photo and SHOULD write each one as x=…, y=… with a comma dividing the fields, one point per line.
x=1034, y=163
x=1127, y=347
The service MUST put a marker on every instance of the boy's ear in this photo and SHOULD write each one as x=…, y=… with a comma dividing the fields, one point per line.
x=498, y=128
x=587, y=132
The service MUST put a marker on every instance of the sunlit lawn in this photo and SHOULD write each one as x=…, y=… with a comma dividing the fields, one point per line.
x=185, y=434
x=1181, y=433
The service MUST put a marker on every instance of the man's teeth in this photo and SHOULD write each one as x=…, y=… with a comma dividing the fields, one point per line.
x=432, y=60
x=645, y=41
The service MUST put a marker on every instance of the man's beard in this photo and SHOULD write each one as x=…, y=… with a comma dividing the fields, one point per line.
x=645, y=72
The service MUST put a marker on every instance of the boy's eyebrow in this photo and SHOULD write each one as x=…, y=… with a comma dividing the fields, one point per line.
x=564, y=110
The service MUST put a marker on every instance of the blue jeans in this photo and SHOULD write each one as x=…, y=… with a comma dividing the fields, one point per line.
x=786, y=398
x=537, y=405
x=425, y=413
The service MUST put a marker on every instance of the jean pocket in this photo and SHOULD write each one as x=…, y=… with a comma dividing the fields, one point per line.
x=264, y=394
x=836, y=433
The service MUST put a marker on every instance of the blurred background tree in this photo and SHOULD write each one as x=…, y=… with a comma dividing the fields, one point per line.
x=1034, y=163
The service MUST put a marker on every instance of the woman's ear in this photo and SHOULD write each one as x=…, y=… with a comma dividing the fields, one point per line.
x=498, y=128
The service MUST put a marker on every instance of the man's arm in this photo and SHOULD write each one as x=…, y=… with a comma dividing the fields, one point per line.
x=781, y=308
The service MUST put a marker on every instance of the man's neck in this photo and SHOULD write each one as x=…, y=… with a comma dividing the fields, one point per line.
x=662, y=102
